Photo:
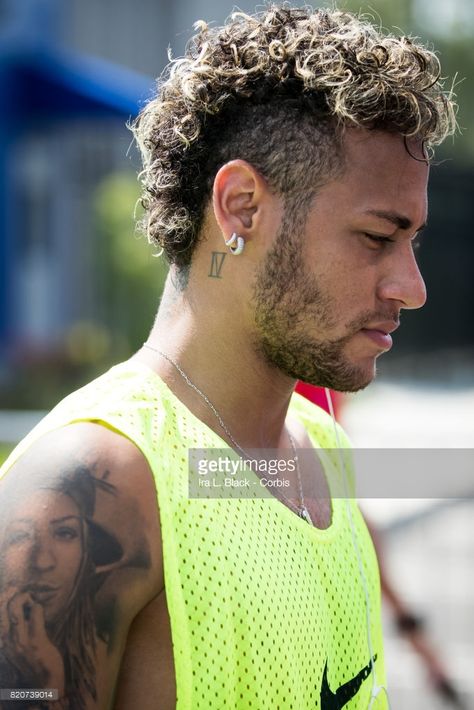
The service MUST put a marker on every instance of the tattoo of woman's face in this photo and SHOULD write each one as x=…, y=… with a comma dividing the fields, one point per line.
x=55, y=555
x=42, y=553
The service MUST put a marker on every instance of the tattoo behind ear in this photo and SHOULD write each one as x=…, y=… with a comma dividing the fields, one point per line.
x=217, y=261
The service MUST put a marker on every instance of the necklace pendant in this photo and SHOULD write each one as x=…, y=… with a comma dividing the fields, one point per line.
x=304, y=514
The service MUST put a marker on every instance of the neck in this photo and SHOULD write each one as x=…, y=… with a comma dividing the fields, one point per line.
x=211, y=347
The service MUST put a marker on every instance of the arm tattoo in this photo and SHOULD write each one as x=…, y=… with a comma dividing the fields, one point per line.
x=56, y=555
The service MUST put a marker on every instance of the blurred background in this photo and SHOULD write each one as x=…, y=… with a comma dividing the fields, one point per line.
x=79, y=288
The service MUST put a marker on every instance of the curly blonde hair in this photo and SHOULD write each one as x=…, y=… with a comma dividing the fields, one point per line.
x=276, y=89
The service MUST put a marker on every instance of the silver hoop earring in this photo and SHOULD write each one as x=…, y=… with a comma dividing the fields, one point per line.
x=231, y=243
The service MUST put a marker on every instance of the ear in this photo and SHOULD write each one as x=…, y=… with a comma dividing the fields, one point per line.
x=237, y=198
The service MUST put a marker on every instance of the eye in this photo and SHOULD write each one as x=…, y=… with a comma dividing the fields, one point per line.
x=378, y=238
x=17, y=537
x=65, y=533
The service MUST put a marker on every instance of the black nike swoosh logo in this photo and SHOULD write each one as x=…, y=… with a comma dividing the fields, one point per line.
x=337, y=700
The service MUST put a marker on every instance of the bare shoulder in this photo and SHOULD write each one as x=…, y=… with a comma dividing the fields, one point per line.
x=80, y=557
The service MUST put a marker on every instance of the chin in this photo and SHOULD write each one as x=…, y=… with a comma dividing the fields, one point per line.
x=350, y=378
x=364, y=380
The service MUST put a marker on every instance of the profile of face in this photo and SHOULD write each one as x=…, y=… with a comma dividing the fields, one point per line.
x=328, y=281
x=42, y=554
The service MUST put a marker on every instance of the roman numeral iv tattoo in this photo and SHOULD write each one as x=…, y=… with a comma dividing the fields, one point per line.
x=217, y=261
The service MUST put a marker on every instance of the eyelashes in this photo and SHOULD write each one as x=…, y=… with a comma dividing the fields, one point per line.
x=378, y=238
x=381, y=240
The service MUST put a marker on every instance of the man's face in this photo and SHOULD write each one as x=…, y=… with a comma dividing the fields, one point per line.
x=330, y=287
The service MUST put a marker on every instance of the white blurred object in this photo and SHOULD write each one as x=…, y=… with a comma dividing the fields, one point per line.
x=395, y=416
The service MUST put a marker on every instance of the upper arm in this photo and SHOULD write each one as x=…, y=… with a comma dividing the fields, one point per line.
x=80, y=556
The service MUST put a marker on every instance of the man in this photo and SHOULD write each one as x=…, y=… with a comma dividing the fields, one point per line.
x=285, y=175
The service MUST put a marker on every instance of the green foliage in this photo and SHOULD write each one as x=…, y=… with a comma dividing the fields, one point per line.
x=385, y=13
x=5, y=450
x=132, y=278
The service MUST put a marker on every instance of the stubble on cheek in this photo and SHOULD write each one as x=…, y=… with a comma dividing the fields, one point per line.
x=300, y=329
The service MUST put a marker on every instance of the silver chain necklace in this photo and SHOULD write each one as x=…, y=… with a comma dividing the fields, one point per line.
x=300, y=510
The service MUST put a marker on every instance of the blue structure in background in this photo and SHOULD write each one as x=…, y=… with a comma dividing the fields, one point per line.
x=39, y=82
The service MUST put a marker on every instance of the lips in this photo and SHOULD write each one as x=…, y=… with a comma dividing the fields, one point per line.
x=42, y=593
x=382, y=339
x=386, y=327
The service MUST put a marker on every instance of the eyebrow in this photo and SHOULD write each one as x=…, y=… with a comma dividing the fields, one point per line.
x=398, y=220
x=65, y=517
x=28, y=521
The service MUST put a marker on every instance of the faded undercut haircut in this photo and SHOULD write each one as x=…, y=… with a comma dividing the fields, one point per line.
x=276, y=89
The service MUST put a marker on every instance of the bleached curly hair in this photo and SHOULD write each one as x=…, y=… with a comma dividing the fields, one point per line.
x=276, y=89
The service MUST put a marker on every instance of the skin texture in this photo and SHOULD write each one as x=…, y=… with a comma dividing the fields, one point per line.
x=307, y=325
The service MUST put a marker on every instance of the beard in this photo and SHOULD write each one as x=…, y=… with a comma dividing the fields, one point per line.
x=288, y=301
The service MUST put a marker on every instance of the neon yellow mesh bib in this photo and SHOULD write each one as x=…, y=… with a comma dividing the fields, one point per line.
x=266, y=611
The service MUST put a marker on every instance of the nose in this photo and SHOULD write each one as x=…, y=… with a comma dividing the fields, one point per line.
x=403, y=281
x=42, y=557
